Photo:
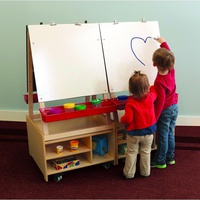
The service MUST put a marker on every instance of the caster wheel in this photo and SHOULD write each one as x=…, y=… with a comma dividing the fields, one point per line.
x=106, y=165
x=57, y=177
x=123, y=160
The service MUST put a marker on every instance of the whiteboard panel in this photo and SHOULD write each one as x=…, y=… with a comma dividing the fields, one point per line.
x=68, y=61
x=128, y=46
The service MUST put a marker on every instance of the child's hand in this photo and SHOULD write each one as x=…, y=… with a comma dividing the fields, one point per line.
x=160, y=40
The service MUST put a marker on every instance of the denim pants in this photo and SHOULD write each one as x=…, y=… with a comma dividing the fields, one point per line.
x=165, y=133
x=135, y=144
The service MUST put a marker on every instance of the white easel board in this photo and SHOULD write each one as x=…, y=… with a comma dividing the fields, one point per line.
x=68, y=61
x=128, y=47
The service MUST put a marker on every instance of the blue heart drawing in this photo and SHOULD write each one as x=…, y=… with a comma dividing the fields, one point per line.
x=144, y=40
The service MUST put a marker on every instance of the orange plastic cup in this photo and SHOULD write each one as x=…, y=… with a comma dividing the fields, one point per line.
x=74, y=145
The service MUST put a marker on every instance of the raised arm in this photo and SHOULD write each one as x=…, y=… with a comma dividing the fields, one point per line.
x=163, y=43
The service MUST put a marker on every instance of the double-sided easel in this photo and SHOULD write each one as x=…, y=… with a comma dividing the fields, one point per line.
x=46, y=131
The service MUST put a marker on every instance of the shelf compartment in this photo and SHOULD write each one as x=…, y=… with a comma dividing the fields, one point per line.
x=83, y=163
x=51, y=150
x=78, y=127
x=102, y=159
x=121, y=142
x=106, y=106
x=120, y=156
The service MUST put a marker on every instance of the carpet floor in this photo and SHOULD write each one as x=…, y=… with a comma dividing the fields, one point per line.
x=21, y=179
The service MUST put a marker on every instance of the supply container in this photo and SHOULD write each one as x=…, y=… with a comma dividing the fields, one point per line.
x=55, y=110
x=96, y=103
x=74, y=145
x=69, y=106
x=99, y=145
x=121, y=101
x=80, y=107
x=59, y=149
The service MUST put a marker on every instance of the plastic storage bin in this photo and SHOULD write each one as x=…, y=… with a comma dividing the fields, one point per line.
x=122, y=148
x=99, y=145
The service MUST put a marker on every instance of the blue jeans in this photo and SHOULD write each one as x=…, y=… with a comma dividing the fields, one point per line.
x=165, y=132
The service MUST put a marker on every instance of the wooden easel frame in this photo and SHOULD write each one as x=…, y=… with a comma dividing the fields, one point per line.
x=42, y=104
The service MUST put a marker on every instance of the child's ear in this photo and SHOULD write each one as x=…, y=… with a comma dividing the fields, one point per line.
x=154, y=64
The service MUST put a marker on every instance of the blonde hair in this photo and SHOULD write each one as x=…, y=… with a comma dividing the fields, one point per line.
x=139, y=85
x=164, y=59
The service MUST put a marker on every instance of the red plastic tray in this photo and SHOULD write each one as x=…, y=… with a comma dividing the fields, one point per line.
x=35, y=98
x=61, y=113
x=120, y=104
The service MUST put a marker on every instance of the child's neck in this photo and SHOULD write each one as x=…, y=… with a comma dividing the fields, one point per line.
x=163, y=72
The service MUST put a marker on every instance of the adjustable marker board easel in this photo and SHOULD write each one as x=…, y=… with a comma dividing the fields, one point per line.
x=129, y=50
x=64, y=69
x=68, y=61
x=60, y=61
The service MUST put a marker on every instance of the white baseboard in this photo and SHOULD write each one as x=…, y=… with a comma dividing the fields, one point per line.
x=13, y=115
x=188, y=121
x=181, y=121
x=20, y=116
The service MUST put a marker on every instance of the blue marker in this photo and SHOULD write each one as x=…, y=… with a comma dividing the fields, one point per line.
x=154, y=38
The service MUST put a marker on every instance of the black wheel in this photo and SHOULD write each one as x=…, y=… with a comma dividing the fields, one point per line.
x=106, y=165
x=123, y=160
x=57, y=177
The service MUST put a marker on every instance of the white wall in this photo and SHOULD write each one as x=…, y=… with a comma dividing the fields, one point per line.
x=178, y=21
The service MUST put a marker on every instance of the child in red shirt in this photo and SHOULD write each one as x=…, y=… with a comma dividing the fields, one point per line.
x=140, y=122
x=166, y=108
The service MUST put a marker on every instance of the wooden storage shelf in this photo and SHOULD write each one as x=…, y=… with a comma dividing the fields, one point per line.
x=102, y=159
x=121, y=142
x=51, y=170
x=73, y=127
x=120, y=156
x=43, y=147
x=51, y=151
x=83, y=163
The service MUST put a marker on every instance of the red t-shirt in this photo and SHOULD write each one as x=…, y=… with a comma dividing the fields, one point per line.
x=165, y=86
x=140, y=114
